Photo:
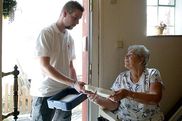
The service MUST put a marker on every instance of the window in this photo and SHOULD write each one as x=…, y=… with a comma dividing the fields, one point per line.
x=163, y=17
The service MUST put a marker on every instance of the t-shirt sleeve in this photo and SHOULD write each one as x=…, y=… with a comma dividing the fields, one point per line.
x=43, y=44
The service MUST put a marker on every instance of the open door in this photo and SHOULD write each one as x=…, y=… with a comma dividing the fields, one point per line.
x=22, y=40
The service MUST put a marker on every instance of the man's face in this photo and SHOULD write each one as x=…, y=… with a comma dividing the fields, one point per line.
x=71, y=20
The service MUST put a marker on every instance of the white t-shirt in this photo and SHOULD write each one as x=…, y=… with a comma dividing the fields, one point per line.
x=130, y=110
x=60, y=48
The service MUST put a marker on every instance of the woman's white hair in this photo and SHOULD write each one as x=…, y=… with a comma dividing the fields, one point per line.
x=142, y=51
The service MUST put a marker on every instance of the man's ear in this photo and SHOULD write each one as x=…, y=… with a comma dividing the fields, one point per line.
x=65, y=13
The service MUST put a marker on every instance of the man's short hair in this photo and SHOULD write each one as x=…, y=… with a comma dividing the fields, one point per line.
x=73, y=5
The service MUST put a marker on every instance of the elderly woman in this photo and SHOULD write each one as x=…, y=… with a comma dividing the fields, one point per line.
x=138, y=90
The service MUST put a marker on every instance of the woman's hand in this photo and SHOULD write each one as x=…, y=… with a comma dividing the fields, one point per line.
x=105, y=103
x=119, y=95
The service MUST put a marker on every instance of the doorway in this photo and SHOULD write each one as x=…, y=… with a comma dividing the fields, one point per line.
x=19, y=35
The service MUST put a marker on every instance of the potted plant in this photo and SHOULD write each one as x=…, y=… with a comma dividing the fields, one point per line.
x=160, y=28
x=9, y=7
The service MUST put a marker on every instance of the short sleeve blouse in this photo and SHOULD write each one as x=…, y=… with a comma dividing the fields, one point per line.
x=130, y=109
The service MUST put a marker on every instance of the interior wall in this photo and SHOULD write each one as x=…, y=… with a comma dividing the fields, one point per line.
x=0, y=59
x=178, y=17
x=125, y=21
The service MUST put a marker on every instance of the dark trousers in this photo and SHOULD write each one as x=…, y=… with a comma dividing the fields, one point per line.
x=41, y=111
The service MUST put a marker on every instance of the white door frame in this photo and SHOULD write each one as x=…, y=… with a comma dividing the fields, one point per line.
x=1, y=6
x=94, y=32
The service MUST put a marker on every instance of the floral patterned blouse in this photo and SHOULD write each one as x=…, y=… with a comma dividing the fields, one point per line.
x=130, y=110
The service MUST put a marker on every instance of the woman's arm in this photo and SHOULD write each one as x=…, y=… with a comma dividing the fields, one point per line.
x=152, y=97
x=105, y=103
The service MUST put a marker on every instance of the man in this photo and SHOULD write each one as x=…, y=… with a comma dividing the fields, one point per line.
x=54, y=53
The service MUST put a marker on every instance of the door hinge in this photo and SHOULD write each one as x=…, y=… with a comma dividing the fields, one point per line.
x=91, y=5
x=90, y=71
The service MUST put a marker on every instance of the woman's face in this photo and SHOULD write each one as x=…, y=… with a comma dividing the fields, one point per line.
x=132, y=60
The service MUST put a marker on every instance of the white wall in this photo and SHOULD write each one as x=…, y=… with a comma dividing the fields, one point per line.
x=125, y=21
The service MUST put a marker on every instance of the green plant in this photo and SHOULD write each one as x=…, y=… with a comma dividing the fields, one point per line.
x=9, y=6
x=162, y=26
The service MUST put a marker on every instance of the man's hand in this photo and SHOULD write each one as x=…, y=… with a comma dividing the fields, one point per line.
x=79, y=86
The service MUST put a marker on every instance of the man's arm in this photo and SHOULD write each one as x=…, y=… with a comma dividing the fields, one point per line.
x=61, y=78
x=72, y=71
x=51, y=72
